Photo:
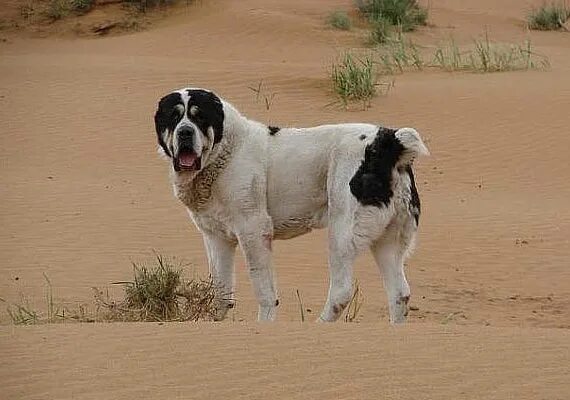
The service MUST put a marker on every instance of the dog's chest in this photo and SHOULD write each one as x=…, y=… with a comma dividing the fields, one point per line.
x=214, y=221
x=196, y=193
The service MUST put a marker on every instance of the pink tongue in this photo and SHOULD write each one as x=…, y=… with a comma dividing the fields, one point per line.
x=187, y=159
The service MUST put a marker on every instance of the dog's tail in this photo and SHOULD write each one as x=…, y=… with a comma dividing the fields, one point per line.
x=413, y=146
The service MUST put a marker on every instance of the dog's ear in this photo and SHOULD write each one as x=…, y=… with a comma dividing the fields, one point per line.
x=166, y=117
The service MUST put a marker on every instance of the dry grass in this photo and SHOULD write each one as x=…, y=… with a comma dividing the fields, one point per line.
x=157, y=292
x=339, y=20
x=355, y=304
x=548, y=17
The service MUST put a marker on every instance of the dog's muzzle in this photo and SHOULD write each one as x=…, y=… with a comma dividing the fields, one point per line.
x=186, y=158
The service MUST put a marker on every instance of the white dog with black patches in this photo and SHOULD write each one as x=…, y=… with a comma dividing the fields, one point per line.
x=245, y=184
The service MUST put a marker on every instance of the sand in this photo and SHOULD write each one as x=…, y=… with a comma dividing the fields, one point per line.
x=84, y=194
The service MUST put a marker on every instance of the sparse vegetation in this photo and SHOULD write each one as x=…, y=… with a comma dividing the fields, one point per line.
x=262, y=92
x=157, y=292
x=354, y=78
x=548, y=17
x=339, y=20
x=487, y=56
x=82, y=6
x=405, y=14
x=145, y=5
x=400, y=54
x=22, y=313
x=57, y=9
x=380, y=31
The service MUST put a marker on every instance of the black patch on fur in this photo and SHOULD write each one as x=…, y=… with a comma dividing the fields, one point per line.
x=362, y=137
x=167, y=117
x=210, y=112
x=273, y=130
x=415, y=204
x=372, y=183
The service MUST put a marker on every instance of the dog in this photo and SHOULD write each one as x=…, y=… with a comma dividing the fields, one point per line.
x=245, y=184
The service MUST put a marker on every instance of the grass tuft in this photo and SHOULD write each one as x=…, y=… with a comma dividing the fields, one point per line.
x=57, y=9
x=400, y=54
x=354, y=78
x=548, y=17
x=380, y=31
x=339, y=20
x=159, y=293
x=406, y=14
x=82, y=6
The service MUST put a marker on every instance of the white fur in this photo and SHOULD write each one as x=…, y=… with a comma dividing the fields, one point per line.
x=254, y=187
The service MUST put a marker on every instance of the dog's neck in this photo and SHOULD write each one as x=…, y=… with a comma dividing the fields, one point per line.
x=195, y=189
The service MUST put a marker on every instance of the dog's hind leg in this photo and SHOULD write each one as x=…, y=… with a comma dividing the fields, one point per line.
x=342, y=253
x=221, y=253
x=390, y=252
x=255, y=242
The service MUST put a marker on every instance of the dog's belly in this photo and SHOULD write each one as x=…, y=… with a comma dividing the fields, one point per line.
x=288, y=228
x=297, y=212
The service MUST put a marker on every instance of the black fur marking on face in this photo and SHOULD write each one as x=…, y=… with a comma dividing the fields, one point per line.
x=167, y=116
x=415, y=204
x=273, y=130
x=372, y=182
x=209, y=112
x=362, y=137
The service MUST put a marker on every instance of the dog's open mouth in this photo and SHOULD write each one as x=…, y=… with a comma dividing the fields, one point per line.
x=188, y=160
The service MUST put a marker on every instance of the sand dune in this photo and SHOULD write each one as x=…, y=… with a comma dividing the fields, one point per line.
x=84, y=193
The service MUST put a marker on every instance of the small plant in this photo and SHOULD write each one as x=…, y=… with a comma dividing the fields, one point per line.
x=22, y=313
x=57, y=9
x=548, y=17
x=153, y=290
x=380, y=31
x=301, y=307
x=82, y=6
x=158, y=293
x=449, y=57
x=400, y=54
x=354, y=78
x=339, y=20
x=260, y=92
x=356, y=301
x=27, y=10
x=406, y=14
x=144, y=5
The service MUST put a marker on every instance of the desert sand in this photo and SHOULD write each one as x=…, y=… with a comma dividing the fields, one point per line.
x=84, y=194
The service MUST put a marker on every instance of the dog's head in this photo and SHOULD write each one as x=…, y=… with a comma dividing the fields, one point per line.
x=189, y=123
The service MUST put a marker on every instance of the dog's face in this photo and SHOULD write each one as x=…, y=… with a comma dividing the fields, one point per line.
x=189, y=123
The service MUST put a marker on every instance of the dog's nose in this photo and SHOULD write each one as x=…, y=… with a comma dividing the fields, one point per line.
x=185, y=132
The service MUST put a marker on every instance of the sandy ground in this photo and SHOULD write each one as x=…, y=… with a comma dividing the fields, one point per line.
x=84, y=194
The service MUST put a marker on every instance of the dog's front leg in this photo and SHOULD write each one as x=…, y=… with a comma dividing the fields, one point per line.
x=255, y=242
x=221, y=252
